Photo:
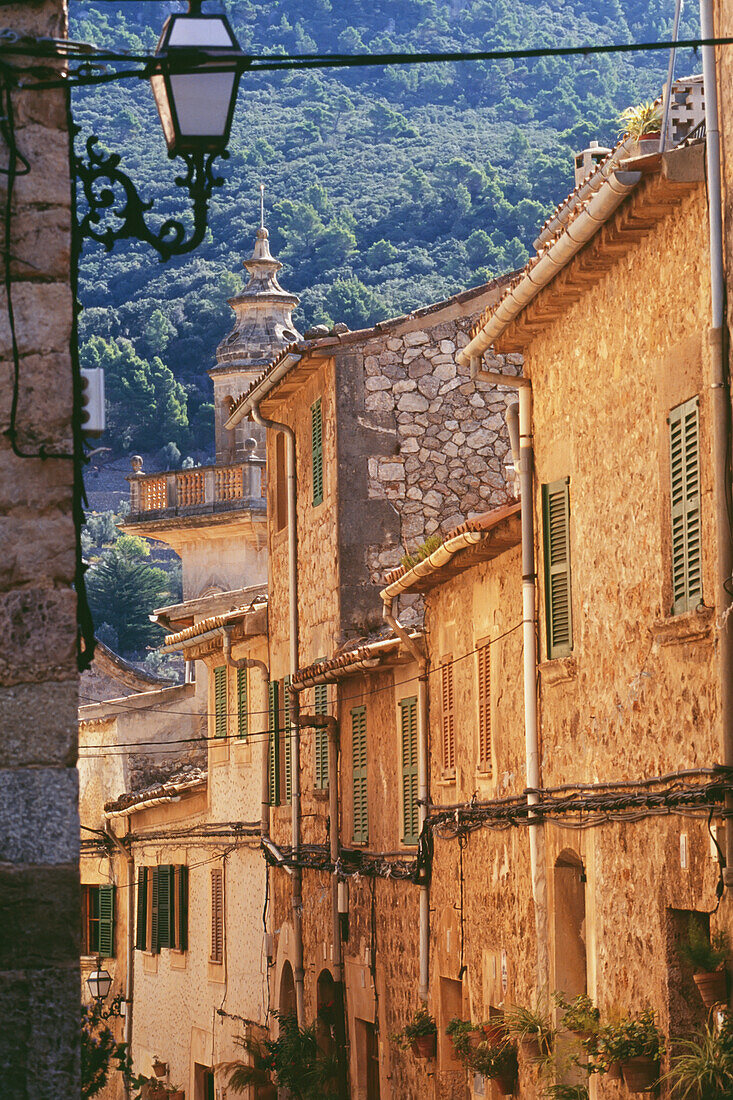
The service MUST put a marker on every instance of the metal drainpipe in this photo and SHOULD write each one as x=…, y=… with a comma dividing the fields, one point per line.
x=252, y=662
x=129, y=977
x=297, y=876
x=330, y=724
x=423, y=783
x=720, y=409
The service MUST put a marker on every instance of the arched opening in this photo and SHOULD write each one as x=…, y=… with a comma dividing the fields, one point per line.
x=325, y=1010
x=571, y=971
x=287, y=991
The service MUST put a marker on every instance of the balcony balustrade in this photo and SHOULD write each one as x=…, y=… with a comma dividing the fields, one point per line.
x=197, y=491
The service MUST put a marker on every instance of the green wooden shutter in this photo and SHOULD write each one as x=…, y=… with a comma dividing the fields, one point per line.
x=242, y=716
x=182, y=908
x=288, y=743
x=220, y=701
x=274, y=743
x=155, y=897
x=410, y=808
x=321, y=707
x=317, y=451
x=166, y=906
x=684, y=451
x=141, y=939
x=107, y=921
x=558, y=602
x=359, y=769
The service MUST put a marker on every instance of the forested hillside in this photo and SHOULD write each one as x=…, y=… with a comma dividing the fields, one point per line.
x=386, y=189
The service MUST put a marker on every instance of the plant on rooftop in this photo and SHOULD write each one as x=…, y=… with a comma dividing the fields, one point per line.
x=432, y=542
x=641, y=120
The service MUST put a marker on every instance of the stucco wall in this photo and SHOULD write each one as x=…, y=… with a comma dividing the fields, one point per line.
x=39, y=824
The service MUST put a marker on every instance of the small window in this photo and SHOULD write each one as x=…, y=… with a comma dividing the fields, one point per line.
x=317, y=451
x=242, y=715
x=217, y=915
x=220, y=701
x=98, y=918
x=410, y=807
x=281, y=482
x=684, y=460
x=558, y=601
x=447, y=717
x=483, y=657
x=359, y=775
x=321, y=738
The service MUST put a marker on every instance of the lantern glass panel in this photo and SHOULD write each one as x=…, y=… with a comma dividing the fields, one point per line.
x=201, y=101
x=99, y=982
x=201, y=33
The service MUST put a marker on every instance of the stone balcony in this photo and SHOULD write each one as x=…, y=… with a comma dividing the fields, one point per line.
x=200, y=491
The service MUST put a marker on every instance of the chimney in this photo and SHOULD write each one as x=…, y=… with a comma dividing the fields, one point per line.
x=588, y=160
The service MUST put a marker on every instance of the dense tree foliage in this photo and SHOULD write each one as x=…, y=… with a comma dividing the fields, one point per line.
x=387, y=188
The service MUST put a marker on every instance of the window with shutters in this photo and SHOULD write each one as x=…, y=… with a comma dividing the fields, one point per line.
x=162, y=908
x=217, y=915
x=447, y=718
x=274, y=742
x=321, y=738
x=410, y=808
x=287, y=785
x=359, y=775
x=558, y=596
x=242, y=716
x=220, y=701
x=98, y=921
x=483, y=660
x=141, y=937
x=684, y=461
x=317, y=451
x=181, y=895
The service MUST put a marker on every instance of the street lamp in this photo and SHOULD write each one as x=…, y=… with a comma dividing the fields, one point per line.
x=194, y=80
x=99, y=982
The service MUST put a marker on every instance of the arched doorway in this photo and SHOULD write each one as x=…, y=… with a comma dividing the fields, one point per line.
x=286, y=1000
x=571, y=970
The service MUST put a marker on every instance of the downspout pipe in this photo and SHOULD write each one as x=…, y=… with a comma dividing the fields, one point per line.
x=297, y=877
x=252, y=662
x=720, y=410
x=129, y=976
x=423, y=781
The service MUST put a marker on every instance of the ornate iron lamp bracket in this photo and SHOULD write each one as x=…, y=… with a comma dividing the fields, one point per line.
x=115, y=211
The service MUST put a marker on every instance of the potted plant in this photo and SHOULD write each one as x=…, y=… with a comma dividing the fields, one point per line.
x=636, y=1045
x=532, y=1027
x=703, y=1067
x=579, y=1015
x=419, y=1034
x=707, y=958
x=460, y=1033
x=499, y=1062
x=643, y=122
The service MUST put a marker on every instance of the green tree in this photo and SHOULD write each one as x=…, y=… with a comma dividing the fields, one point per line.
x=123, y=589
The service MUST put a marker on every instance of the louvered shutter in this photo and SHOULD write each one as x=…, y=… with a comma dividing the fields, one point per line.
x=242, y=716
x=107, y=921
x=288, y=742
x=165, y=906
x=154, y=899
x=217, y=915
x=321, y=707
x=359, y=768
x=141, y=939
x=220, y=701
x=484, y=708
x=274, y=744
x=558, y=602
x=182, y=938
x=449, y=734
x=317, y=451
x=684, y=451
x=410, y=808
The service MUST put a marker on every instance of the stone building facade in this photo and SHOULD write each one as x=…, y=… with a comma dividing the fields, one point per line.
x=39, y=824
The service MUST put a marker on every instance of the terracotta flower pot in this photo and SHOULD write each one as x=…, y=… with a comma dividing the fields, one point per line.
x=506, y=1082
x=266, y=1092
x=424, y=1046
x=493, y=1032
x=712, y=987
x=640, y=1074
x=614, y=1071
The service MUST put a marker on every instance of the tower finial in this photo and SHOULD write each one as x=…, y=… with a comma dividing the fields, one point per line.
x=262, y=206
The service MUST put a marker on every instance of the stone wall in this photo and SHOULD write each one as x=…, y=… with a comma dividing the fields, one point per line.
x=39, y=823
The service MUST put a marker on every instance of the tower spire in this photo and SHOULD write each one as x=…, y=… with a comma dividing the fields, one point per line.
x=262, y=206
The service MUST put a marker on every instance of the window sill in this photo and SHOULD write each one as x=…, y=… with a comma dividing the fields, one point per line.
x=178, y=959
x=560, y=670
x=216, y=972
x=241, y=751
x=150, y=963
x=447, y=780
x=690, y=626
